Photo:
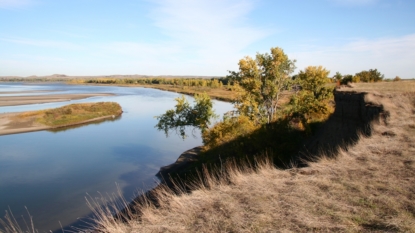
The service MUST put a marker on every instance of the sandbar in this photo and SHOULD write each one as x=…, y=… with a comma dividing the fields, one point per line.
x=40, y=99
x=9, y=124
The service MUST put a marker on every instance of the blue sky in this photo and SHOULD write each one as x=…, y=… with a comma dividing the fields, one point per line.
x=203, y=37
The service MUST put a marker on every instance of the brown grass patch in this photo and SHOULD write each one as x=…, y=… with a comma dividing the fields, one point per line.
x=383, y=87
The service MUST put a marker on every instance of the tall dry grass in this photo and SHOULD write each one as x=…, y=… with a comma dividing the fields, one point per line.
x=10, y=225
x=384, y=87
x=369, y=187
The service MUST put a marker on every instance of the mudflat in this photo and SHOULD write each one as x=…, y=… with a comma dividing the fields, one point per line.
x=9, y=126
x=40, y=99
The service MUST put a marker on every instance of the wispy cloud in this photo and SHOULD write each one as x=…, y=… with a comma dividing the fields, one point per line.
x=392, y=56
x=7, y=4
x=42, y=43
x=204, y=34
x=213, y=23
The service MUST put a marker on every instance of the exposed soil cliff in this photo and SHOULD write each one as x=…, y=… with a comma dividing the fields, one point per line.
x=353, y=116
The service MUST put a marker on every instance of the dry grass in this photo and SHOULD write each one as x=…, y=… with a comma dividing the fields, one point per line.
x=383, y=87
x=368, y=188
x=10, y=225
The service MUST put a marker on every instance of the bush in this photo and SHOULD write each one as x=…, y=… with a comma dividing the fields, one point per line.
x=227, y=130
x=370, y=76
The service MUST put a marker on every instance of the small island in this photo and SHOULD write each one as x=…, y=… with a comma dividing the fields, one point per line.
x=69, y=115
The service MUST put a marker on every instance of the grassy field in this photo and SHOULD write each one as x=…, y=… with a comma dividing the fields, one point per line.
x=384, y=87
x=73, y=113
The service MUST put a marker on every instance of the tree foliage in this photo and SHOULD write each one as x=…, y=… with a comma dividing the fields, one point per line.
x=227, y=130
x=338, y=76
x=183, y=115
x=314, y=94
x=370, y=76
x=261, y=81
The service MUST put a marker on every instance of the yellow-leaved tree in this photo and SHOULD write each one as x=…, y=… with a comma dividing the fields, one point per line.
x=314, y=96
x=261, y=82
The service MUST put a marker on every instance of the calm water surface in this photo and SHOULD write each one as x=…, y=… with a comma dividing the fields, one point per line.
x=50, y=173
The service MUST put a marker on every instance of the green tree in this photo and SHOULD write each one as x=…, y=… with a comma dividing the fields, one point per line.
x=370, y=76
x=183, y=115
x=261, y=82
x=338, y=77
x=348, y=78
x=314, y=95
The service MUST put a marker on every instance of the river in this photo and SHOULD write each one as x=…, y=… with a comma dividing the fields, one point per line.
x=51, y=172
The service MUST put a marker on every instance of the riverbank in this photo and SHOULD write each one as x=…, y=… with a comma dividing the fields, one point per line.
x=220, y=93
x=345, y=190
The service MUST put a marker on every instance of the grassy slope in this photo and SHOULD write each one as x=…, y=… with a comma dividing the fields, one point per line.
x=73, y=113
x=370, y=188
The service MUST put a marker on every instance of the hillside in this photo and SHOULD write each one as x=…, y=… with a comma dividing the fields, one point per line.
x=367, y=185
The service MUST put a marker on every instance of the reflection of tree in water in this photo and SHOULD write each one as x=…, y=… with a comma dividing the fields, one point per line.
x=67, y=128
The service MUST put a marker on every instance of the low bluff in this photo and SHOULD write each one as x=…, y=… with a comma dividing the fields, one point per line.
x=354, y=114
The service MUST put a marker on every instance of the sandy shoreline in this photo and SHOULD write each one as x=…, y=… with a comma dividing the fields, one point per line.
x=10, y=125
x=40, y=99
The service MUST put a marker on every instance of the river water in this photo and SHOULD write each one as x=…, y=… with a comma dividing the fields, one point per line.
x=51, y=172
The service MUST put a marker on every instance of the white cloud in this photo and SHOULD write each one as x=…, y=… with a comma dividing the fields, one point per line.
x=391, y=56
x=14, y=3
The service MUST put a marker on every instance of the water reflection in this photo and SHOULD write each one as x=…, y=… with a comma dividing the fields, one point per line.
x=98, y=122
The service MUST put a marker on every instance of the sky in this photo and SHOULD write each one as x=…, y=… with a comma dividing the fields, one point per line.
x=203, y=37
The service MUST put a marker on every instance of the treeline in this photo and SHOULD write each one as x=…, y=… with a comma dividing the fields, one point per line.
x=34, y=80
x=192, y=82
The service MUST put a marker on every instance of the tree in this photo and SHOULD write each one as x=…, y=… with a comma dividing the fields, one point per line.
x=397, y=78
x=261, y=82
x=348, y=78
x=338, y=77
x=370, y=76
x=183, y=115
x=314, y=94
